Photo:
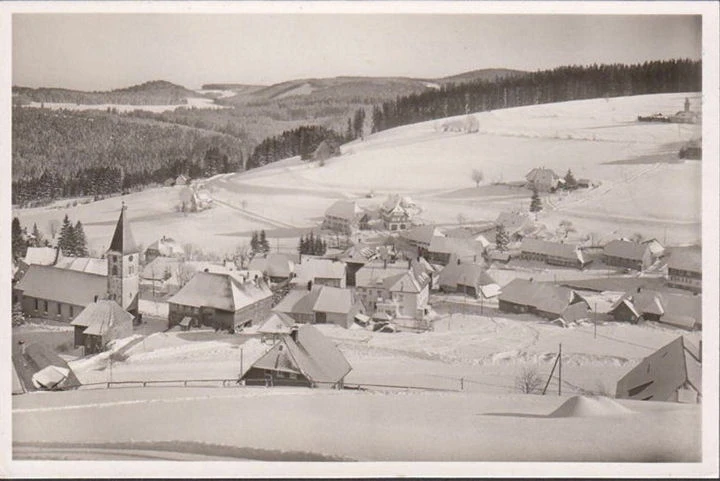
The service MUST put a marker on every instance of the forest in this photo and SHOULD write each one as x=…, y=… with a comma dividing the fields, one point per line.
x=557, y=85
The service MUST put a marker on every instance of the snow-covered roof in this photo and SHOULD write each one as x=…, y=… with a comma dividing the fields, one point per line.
x=462, y=248
x=62, y=285
x=98, y=317
x=277, y=323
x=84, y=264
x=344, y=209
x=312, y=268
x=422, y=234
x=275, y=265
x=43, y=256
x=467, y=274
x=220, y=291
x=543, y=296
x=334, y=299
x=686, y=260
x=541, y=175
x=404, y=282
x=625, y=249
x=167, y=247
x=552, y=249
x=310, y=354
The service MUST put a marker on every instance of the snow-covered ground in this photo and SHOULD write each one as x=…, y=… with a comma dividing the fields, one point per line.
x=643, y=193
x=361, y=425
x=192, y=102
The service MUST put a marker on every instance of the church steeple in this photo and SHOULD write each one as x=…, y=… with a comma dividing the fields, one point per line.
x=123, y=241
x=123, y=266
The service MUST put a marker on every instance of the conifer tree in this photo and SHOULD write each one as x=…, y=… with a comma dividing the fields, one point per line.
x=19, y=243
x=535, y=202
x=263, y=242
x=66, y=241
x=38, y=240
x=254, y=243
x=80, y=240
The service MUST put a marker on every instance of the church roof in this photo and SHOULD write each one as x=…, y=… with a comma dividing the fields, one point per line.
x=122, y=240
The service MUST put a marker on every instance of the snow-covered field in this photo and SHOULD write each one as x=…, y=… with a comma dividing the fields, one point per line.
x=193, y=102
x=361, y=425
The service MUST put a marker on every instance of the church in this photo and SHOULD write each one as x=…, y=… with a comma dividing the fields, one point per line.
x=55, y=293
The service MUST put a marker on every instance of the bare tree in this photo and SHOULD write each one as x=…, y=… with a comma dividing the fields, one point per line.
x=637, y=237
x=565, y=228
x=190, y=251
x=242, y=255
x=184, y=273
x=528, y=381
x=53, y=226
x=477, y=177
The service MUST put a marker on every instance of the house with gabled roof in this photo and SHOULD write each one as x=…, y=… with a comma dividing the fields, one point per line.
x=84, y=264
x=517, y=224
x=541, y=298
x=553, y=253
x=342, y=216
x=421, y=236
x=685, y=269
x=395, y=213
x=276, y=266
x=673, y=373
x=443, y=249
x=627, y=254
x=44, y=256
x=164, y=247
x=220, y=300
x=99, y=323
x=393, y=289
x=468, y=278
x=544, y=180
x=303, y=358
x=321, y=305
x=278, y=324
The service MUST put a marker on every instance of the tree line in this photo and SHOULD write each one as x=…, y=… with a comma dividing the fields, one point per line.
x=301, y=141
x=546, y=86
x=71, y=240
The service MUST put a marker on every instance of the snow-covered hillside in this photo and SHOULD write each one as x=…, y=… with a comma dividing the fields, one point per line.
x=641, y=186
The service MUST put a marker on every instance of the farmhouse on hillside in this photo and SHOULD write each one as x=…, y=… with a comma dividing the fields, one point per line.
x=342, y=216
x=303, y=358
x=542, y=179
x=628, y=254
x=644, y=304
x=543, y=299
x=276, y=266
x=99, y=323
x=421, y=236
x=517, y=224
x=553, y=253
x=396, y=291
x=467, y=278
x=321, y=305
x=443, y=249
x=685, y=270
x=220, y=300
x=673, y=373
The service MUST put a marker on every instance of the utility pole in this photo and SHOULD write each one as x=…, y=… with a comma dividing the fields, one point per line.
x=560, y=371
x=241, y=363
x=595, y=322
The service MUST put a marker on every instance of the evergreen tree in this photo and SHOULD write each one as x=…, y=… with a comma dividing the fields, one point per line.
x=263, y=242
x=19, y=243
x=301, y=245
x=501, y=238
x=80, y=240
x=570, y=182
x=535, y=202
x=254, y=242
x=66, y=242
x=38, y=240
x=310, y=241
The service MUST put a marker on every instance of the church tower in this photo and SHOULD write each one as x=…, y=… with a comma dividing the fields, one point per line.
x=123, y=264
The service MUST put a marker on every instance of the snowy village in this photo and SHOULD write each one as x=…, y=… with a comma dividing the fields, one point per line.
x=525, y=263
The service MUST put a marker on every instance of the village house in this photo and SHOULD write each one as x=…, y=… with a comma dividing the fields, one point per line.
x=443, y=249
x=649, y=305
x=277, y=267
x=685, y=270
x=517, y=224
x=468, y=278
x=303, y=358
x=321, y=305
x=220, y=300
x=541, y=298
x=628, y=254
x=342, y=216
x=421, y=236
x=325, y=272
x=553, y=253
x=395, y=213
x=56, y=293
x=325, y=150
x=163, y=247
x=275, y=326
x=544, y=180
x=100, y=322
x=485, y=236
x=355, y=257
x=394, y=290
x=83, y=264
x=673, y=373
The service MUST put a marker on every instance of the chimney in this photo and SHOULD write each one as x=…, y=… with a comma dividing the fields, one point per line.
x=309, y=286
x=458, y=261
x=639, y=289
x=96, y=298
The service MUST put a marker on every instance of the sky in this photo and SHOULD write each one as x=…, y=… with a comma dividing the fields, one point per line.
x=107, y=51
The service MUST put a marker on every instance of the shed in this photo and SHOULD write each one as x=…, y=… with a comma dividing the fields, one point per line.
x=99, y=323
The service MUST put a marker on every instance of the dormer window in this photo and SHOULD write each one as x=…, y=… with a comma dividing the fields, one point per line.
x=130, y=258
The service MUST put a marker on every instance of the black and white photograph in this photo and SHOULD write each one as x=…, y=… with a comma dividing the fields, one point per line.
x=359, y=239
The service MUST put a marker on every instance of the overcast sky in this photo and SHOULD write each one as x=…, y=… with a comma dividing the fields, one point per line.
x=106, y=51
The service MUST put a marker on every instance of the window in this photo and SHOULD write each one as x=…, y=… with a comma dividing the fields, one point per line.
x=45, y=305
x=72, y=311
x=59, y=308
x=130, y=258
x=131, y=269
x=114, y=270
x=37, y=304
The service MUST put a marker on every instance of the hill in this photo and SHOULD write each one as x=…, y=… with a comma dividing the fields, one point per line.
x=157, y=92
x=487, y=75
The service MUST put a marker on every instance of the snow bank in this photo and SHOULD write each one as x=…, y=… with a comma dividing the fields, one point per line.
x=583, y=406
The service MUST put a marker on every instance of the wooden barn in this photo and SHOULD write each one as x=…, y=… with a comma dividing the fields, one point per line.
x=99, y=323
